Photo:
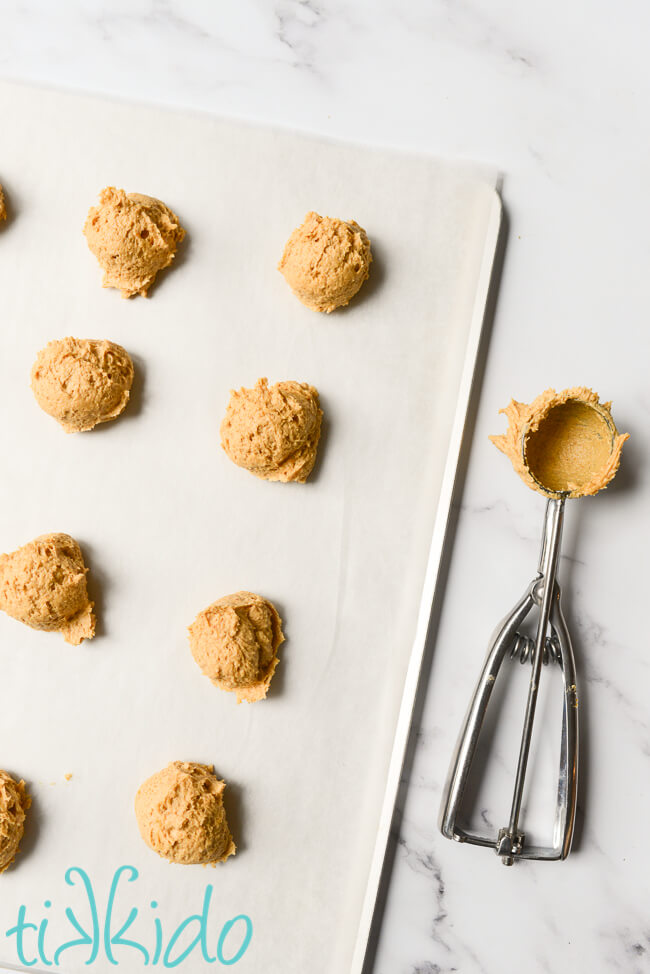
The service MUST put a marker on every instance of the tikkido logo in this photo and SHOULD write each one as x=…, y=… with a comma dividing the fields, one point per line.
x=105, y=937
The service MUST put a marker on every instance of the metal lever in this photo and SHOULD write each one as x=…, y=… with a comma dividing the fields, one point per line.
x=543, y=592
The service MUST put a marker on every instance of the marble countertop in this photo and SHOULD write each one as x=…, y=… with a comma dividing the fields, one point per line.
x=556, y=96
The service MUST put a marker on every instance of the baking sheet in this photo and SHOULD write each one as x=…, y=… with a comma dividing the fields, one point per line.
x=167, y=524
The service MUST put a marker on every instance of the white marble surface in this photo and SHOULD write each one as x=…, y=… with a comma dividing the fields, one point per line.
x=556, y=95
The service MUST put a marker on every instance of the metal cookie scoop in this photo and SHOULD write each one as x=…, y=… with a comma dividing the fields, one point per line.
x=543, y=593
x=563, y=445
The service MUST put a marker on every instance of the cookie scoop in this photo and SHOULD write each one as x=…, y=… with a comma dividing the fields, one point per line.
x=563, y=445
x=181, y=816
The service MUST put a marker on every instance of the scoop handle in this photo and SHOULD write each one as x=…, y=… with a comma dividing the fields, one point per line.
x=510, y=838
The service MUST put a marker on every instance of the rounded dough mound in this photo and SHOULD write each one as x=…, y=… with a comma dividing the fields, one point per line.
x=235, y=642
x=326, y=261
x=43, y=584
x=181, y=816
x=273, y=431
x=81, y=382
x=14, y=802
x=133, y=237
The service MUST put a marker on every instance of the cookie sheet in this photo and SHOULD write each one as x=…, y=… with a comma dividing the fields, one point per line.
x=167, y=524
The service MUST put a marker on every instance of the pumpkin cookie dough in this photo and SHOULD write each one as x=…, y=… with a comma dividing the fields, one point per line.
x=14, y=802
x=3, y=205
x=273, y=431
x=81, y=382
x=564, y=444
x=43, y=584
x=181, y=816
x=235, y=643
x=133, y=237
x=325, y=261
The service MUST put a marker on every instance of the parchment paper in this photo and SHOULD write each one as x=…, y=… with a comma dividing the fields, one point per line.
x=168, y=524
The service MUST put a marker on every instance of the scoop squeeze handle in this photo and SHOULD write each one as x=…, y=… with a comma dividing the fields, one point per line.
x=544, y=594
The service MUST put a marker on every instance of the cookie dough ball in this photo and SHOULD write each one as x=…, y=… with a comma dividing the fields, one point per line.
x=43, y=584
x=133, y=237
x=235, y=642
x=3, y=205
x=273, y=431
x=326, y=261
x=81, y=382
x=14, y=802
x=181, y=816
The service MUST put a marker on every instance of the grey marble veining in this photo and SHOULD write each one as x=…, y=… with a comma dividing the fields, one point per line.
x=556, y=95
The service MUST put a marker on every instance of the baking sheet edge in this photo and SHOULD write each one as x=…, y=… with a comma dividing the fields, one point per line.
x=403, y=727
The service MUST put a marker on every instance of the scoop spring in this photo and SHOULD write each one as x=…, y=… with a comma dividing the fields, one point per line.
x=524, y=647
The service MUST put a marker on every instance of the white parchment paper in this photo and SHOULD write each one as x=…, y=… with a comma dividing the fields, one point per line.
x=168, y=524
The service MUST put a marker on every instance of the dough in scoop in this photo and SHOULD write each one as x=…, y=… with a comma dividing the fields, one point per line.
x=133, y=237
x=14, y=802
x=563, y=444
x=181, y=816
x=43, y=584
x=235, y=642
x=273, y=431
x=325, y=261
x=81, y=382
